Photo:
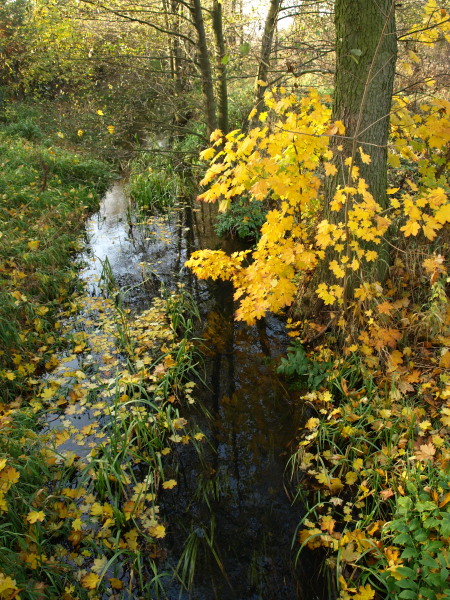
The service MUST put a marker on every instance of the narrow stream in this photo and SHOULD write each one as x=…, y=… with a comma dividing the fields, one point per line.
x=233, y=506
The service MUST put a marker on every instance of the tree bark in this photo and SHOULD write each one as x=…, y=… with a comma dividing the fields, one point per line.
x=222, y=91
x=264, y=60
x=366, y=52
x=205, y=66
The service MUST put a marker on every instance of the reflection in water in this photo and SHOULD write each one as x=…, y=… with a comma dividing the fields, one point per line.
x=231, y=503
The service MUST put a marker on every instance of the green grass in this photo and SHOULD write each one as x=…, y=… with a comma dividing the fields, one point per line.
x=154, y=185
x=45, y=194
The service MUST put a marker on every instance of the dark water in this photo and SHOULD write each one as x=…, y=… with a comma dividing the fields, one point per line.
x=231, y=518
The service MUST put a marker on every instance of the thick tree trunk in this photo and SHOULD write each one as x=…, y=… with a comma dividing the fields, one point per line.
x=222, y=91
x=205, y=66
x=366, y=51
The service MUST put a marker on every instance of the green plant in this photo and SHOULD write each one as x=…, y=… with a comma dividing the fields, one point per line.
x=419, y=534
x=26, y=128
x=152, y=185
x=243, y=219
x=307, y=373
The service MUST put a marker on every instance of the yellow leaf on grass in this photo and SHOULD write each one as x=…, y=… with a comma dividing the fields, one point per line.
x=365, y=592
x=395, y=359
x=312, y=423
x=116, y=584
x=77, y=524
x=3, y=503
x=351, y=477
x=132, y=537
x=8, y=587
x=445, y=360
x=8, y=477
x=426, y=452
x=358, y=464
x=90, y=581
x=35, y=515
x=411, y=228
x=99, y=564
x=168, y=485
x=445, y=419
x=33, y=245
x=157, y=531
x=443, y=214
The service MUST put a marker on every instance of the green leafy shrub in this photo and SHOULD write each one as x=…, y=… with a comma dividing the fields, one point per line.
x=419, y=534
x=243, y=219
x=296, y=364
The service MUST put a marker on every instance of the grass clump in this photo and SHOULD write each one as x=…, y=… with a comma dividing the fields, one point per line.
x=153, y=186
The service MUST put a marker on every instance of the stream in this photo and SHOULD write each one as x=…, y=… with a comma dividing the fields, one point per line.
x=234, y=505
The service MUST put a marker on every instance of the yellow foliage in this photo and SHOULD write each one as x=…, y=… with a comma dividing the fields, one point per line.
x=280, y=163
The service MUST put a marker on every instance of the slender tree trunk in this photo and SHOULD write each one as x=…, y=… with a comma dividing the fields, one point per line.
x=266, y=49
x=205, y=66
x=222, y=91
x=366, y=52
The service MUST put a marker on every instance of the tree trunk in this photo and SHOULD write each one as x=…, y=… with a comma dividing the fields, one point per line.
x=222, y=91
x=205, y=66
x=366, y=51
x=264, y=61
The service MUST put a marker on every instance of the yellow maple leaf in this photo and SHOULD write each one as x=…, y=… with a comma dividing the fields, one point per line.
x=330, y=169
x=33, y=245
x=336, y=269
x=132, y=537
x=395, y=359
x=3, y=503
x=90, y=581
x=8, y=477
x=169, y=484
x=365, y=592
x=8, y=587
x=116, y=584
x=35, y=515
x=207, y=154
x=77, y=524
x=443, y=214
x=411, y=228
x=157, y=531
x=351, y=477
x=312, y=423
x=358, y=464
